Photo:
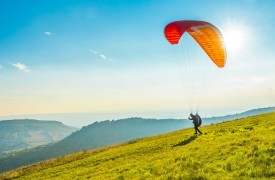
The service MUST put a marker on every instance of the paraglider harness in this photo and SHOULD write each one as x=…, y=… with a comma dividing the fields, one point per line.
x=196, y=120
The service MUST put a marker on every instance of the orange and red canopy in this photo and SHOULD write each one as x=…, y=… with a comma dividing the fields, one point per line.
x=207, y=36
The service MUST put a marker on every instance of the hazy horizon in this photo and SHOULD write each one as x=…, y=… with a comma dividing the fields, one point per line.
x=83, y=119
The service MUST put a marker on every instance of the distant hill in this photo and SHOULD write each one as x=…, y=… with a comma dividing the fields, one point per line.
x=100, y=134
x=25, y=133
x=239, y=149
x=252, y=112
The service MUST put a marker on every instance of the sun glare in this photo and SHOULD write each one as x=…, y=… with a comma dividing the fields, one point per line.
x=234, y=40
x=236, y=37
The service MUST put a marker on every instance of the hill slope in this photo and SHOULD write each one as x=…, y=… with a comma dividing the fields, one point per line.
x=93, y=136
x=238, y=149
x=100, y=134
x=25, y=133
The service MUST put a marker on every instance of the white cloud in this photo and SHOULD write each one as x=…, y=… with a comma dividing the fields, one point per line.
x=21, y=67
x=47, y=33
x=1, y=67
x=103, y=56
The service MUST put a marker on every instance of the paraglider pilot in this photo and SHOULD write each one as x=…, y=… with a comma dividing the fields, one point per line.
x=196, y=121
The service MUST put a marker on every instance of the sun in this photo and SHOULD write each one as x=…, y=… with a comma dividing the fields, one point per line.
x=236, y=37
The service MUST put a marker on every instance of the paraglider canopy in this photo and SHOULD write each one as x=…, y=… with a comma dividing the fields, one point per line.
x=207, y=36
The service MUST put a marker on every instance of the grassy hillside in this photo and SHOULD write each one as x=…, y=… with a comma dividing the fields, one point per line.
x=98, y=134
x=105, y=133
x=240, y=149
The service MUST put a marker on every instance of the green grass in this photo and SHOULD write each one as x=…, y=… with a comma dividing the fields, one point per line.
x=239, y=149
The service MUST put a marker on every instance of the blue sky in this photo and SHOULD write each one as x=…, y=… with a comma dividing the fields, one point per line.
x=111, y=57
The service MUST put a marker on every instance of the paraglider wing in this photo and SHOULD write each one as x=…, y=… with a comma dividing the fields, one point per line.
x=207, y=36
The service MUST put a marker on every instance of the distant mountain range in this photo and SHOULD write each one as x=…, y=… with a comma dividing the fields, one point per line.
x=21, y=134
x=106, y=133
